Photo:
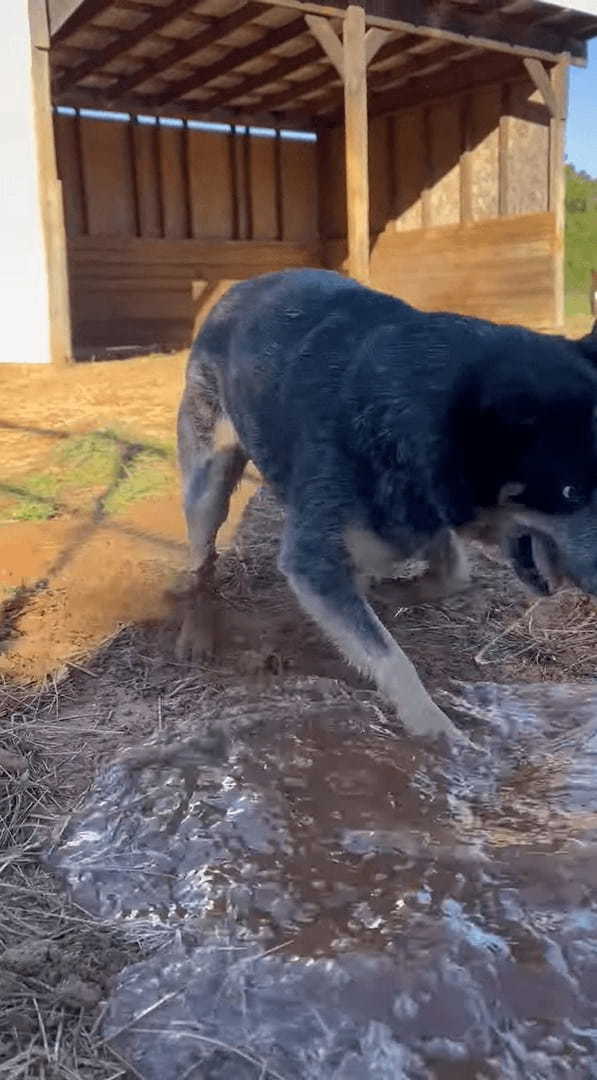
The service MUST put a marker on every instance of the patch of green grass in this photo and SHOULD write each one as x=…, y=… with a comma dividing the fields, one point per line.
x=88, y=461
x=577, y=303
x=25, y=508
x=32, y=498
x=160, y=447
x=148, y=474
x=83, y=468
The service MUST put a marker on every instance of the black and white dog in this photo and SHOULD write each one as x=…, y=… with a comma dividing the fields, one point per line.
x=387, y=433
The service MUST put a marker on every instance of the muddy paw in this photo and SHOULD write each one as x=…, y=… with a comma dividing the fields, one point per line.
x=260, y=661
x=432, y=723
x=198, y=635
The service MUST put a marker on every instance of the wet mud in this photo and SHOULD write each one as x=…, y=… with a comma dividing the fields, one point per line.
x=329, y=899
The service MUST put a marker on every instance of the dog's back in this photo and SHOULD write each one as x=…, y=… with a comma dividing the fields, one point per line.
x=300, y=355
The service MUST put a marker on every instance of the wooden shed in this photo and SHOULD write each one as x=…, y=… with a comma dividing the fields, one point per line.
x=415, y=144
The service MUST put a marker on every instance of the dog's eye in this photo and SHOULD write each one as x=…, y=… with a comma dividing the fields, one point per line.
x=572, y=494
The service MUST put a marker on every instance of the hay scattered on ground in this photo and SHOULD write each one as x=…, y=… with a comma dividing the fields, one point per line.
x=56, y=963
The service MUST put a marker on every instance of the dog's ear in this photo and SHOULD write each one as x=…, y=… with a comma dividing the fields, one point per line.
x=588, y=345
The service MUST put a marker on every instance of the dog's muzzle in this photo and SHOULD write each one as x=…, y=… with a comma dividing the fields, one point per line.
x=534, y=559
x=547, y=551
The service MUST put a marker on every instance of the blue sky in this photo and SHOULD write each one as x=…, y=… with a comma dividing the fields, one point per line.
x=581, y=146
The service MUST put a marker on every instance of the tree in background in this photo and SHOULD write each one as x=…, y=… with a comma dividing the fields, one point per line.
x=581, y=235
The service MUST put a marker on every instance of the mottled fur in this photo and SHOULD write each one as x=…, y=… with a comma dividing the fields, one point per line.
x=385, y=432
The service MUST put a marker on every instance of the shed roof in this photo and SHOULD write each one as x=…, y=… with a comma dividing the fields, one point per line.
x=231, y=60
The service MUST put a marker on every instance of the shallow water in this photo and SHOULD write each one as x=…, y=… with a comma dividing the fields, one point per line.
x=335, y=901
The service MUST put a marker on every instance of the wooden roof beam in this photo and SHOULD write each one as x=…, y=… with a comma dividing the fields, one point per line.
x=583, y=7
x=383, y=51
x=124, y=41
x=66, y=16
x=217, y=29
x=489, y=30
x=493, y=30
x=392, y=78
x=233, y=59
x=298, y=90
x=458, y=79
x=263, y=78
x=462, y=78
x=135, y=105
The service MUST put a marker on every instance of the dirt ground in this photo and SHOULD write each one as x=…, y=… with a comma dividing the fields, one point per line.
x=87, y=667
x=71, y=580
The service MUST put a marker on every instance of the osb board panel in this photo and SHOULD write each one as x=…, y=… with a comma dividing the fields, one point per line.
x=209, y=164
x=299, y=196
x=381, y=171
x=500, y=269
x=148, y=180
x=445, y=145
x=173, y=182
x=528, y=151
x=65, y=135
x=262, y=188
x=108, y=177
x=485, y=107
x=139, y=292
x=155, y=181
x=241, y=181
x=410, y=168
x=415, y=173
x=332, y=183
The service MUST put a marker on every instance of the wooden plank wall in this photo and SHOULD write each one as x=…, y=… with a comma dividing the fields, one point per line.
x=138, y=291
x=498, y=269
x=459, y=199
x=150, y=207
x=467, y=158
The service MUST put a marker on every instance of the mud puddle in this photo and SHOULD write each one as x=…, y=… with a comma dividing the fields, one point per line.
x=328, y=899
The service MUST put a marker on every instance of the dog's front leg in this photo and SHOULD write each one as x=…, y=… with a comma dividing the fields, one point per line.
x=319, y=569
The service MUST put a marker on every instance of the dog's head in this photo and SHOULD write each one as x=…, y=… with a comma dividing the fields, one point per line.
x=539, y=433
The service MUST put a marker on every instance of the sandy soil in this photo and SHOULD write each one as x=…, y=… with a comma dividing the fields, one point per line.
x=79, y=579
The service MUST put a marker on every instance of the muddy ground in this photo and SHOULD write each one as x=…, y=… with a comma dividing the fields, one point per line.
x=88, y=669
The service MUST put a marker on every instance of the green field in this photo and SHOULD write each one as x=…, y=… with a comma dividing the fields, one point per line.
x=581, y=239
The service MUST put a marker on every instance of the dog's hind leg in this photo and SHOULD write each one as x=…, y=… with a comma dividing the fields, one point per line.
x=212, y=462
x=448, y=573
x=320, y=570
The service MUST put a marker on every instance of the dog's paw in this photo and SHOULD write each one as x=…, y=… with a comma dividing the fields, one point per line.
x=197, y=641
x=430, y=722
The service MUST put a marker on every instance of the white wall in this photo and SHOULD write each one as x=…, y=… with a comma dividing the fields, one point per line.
x=24, y=301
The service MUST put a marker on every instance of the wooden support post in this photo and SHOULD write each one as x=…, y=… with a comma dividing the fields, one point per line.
x=557, y=182
x=553, y=87
x=466, y=170
x=350, y=59
x=356, y=143
x=504, y=152
x=50, y=188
